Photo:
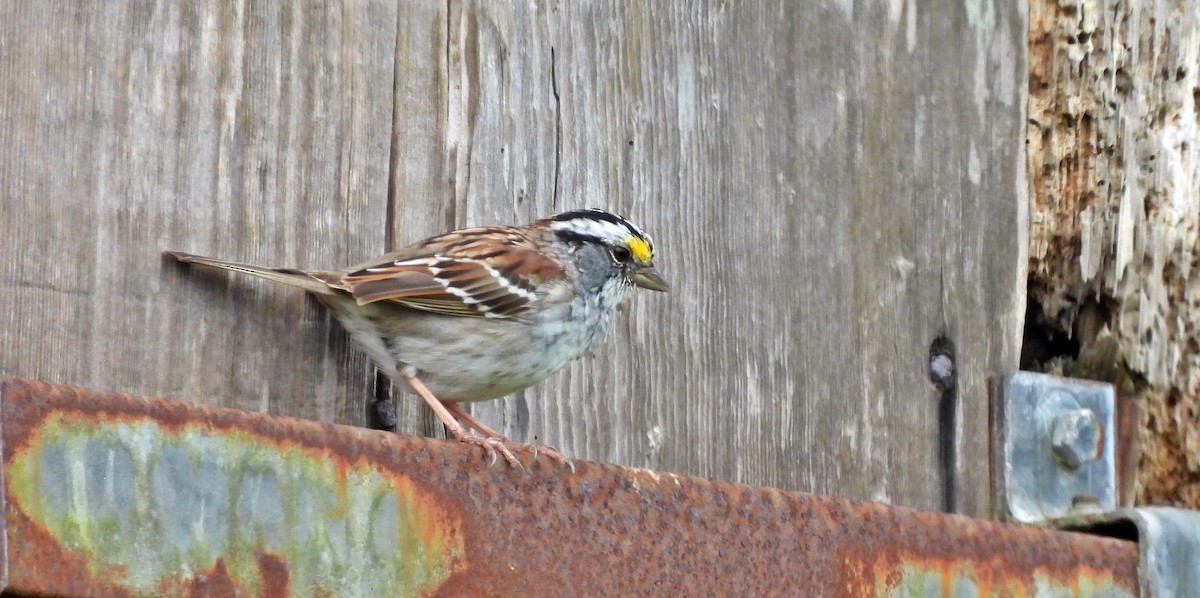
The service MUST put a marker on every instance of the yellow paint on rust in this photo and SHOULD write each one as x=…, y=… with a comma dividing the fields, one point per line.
x=965, y=577
x=149, y=507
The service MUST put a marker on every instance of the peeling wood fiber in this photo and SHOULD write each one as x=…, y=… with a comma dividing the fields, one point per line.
x=1115, y=196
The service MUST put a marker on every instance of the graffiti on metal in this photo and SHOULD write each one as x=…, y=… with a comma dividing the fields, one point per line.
x=147, y=507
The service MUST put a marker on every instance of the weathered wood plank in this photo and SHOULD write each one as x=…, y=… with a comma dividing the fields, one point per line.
x=831, y=189
x=243, y=130
x=420, y=191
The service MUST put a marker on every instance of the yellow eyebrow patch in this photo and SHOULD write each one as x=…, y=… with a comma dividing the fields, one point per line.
x=639, y=249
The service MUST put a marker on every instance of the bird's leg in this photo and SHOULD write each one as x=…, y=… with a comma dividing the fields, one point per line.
x=482, y=428
x=470, y=420
x=490, y=444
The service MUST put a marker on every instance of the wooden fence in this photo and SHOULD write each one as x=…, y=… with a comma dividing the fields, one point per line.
x=834, y=188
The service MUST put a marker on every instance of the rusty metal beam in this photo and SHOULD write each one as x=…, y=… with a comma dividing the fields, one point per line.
x=107, y=494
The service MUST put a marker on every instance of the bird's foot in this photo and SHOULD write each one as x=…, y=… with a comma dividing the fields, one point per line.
x=540, y=449
x=492, y=441
x=492, y=446
x=508, y=449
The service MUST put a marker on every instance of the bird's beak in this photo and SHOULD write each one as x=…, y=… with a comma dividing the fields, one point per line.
x=648, y=278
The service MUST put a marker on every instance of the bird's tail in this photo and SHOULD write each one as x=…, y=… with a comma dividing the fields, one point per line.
x=314, y=282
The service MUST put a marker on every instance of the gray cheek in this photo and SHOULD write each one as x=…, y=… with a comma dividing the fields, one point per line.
x=595, y=267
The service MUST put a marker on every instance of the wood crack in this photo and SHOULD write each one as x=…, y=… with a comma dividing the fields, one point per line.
x=557, y=127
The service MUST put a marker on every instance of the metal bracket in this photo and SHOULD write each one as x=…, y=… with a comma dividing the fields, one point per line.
x=1168, y=546
x=1052, y=447
x=1053, y=464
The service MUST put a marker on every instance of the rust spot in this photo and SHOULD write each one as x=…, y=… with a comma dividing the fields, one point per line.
x=213, y=583
x=36, y=556
x=273, y=571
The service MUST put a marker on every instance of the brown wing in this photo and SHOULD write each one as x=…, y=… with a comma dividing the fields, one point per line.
x=483, y=272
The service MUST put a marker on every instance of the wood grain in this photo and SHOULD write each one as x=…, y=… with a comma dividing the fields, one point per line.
x=830, y=193
x=831, y=189
x=238, y=130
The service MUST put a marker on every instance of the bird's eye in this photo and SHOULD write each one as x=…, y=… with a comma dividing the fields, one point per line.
x=620, y=255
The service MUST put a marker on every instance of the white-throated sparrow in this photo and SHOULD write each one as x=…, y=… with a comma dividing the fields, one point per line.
x=480, y=313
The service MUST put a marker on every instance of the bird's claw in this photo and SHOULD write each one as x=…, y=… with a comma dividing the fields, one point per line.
x=508, y=449
x=493, y=446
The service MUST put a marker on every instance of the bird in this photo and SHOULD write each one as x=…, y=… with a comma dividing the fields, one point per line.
x=479, y=313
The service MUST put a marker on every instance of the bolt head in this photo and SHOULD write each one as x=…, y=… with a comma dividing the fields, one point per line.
x=1077, y=438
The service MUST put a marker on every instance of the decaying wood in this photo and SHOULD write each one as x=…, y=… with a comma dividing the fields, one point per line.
x=833, y=190
x=1115, y=180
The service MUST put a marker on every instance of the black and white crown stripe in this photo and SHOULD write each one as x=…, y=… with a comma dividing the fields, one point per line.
x=597, y=224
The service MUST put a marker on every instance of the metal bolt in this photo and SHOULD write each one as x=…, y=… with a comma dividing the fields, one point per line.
x=1076, y=438
x=1086, y=504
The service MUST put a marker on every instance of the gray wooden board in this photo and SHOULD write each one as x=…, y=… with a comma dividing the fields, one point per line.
x=830, y=187
x=248, y=131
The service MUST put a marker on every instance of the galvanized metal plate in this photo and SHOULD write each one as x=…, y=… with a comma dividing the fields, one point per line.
x=111, y=495
x=1052, y=447
x=1168, y=545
